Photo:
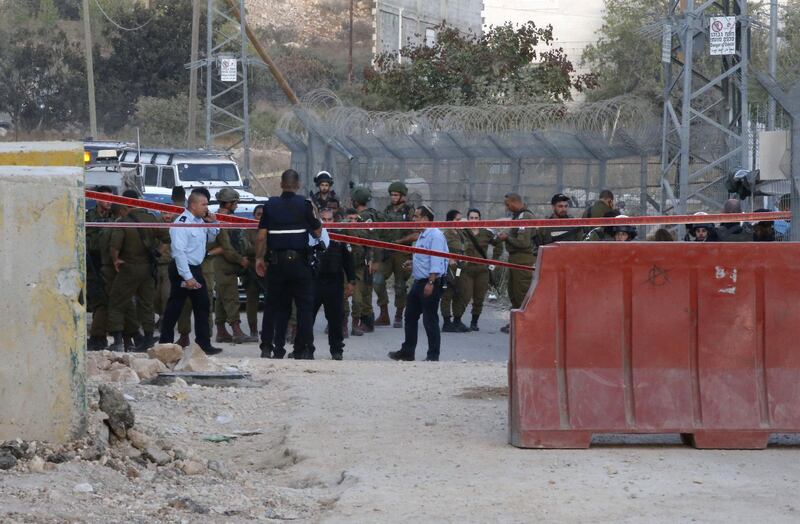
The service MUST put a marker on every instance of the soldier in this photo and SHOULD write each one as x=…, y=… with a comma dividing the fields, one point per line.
x=366, y=319
x=474, y=280
x=521, y=244
x=560, y=204
x=134, y=253
x=361, y=269
x=227, y=268
x=602, y=233
x=624, y=233
x=254, y=285
x=394, y=262
x=734, y=231
x=162, y=277
x=604, y=204
x=451, y=292
x=326, y=196
x=763, y=231
x=336, y=266
x=96, y=297
x=702, y=232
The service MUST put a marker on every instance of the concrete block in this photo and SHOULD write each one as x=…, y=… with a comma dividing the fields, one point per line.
x=42, y=313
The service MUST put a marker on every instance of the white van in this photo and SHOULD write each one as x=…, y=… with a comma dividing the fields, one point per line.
x=159, y=170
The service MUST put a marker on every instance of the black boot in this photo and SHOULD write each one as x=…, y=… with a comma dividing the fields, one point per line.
x=368, y=323
x=119, y=344
x=459, y=326
x=448, y=326
x=473, y=326
x=266, y=350
x=96, y=344
x=145, y=343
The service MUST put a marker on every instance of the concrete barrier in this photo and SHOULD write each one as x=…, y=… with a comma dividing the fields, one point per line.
x=42, y=316
x=663, y=337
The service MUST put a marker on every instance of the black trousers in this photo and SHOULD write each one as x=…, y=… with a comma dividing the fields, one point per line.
x=289, y=281
x=177, y=297
x=417, y=304
x=329, y=292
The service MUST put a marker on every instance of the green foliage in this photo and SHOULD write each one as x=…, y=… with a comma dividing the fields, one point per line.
x=162, y=122
x=262, y=125
x=43, y=84
x=503, y=66
x=144, y=63
x=47, y=14
x=625, y=60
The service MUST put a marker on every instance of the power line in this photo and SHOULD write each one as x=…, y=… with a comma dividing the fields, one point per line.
x=116, y=24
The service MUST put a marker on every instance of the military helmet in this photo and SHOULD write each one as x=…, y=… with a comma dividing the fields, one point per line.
x=692, y=227
x=361, y=195
x=398, y=187
x=323, y=176
x=631, y=230
x=227, y=194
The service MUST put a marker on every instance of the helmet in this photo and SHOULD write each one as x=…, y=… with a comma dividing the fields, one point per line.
x=631, y=230
x=361, y=195
x=398, y=187
x=691, y=227
x=323, y=176
x=227, y=194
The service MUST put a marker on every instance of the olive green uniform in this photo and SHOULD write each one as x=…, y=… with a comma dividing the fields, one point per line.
x=598, y=210
x=598, y=234
x=254, y=285
x=362, y=298
x=208, y=273
x=474, y=280
x=136, y=276
x=455, y=245
x=392, y=261
x=96, y=289
x=227, y=268
x=520, y=245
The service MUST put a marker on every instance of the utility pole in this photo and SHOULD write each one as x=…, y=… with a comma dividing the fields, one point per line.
x=773, y=59
x=192, y=134
x=87, y=34
x=350, y=45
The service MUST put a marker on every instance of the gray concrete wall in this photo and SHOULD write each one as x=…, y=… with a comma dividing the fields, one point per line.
x=42, y=316
x=419, y=15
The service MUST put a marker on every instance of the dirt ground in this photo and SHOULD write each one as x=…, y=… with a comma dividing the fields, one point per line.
x=371, y=440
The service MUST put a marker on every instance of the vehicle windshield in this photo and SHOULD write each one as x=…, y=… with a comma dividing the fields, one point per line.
x=208, y=173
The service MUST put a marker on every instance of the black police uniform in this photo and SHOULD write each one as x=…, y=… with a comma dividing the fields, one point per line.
x=288, y=220
x=336, y=262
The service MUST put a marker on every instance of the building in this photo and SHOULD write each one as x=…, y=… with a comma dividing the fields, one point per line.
x=399, y=23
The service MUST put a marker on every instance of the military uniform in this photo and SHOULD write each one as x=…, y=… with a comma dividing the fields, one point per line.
x=597, y=210
x=362, y=300
x=521, y=245
x=254, y=285
x=565, y=234
x=136, y=277
x=96, y=294
x=392, y=264
x=323, y=201
x=474, y=280
x=455, y=244
x=598, y=234
x=227, y=268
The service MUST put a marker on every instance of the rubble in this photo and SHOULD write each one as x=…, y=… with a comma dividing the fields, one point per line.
x=168, y=354
x=133, y=368
x=120, y=414
x=195, y=359
x=147, y=368
x=7, y=459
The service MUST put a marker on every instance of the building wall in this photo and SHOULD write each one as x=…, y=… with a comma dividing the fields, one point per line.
x=417, y=16
x=42, y=313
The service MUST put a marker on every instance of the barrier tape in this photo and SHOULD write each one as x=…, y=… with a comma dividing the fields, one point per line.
x=248, y=223
x=479, y=224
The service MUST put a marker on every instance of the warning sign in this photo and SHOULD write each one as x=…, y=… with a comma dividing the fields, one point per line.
x=722, y=35
x=227, y=68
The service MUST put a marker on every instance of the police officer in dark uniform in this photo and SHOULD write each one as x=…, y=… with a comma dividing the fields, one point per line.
x=283, y=237
x=336, y=264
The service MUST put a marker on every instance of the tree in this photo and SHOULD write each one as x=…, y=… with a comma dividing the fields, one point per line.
x=626, y=60
x=43, y=80
x=162, y=121
x=504, y=66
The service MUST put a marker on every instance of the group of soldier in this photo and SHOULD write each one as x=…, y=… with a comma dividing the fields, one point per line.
x=128, y=282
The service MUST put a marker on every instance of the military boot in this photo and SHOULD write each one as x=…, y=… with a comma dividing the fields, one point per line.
x=96, y=344
x=383, y=318
x=448, y=326
x=119, y=344
x=239, y=337
x=473, y=326
x=129, y=341
x=357, y=331
x=222, y=334
x=145, y=343
x=398, y=318
x=458, y=326
x=254, y=330
x=368, y=323
x=183, y=340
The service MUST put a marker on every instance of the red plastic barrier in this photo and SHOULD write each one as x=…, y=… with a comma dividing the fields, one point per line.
x=697, y=339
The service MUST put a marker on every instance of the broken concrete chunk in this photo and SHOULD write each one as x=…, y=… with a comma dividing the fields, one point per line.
x=169, y=354
x=195, y=359
x=138, y=439
x=147, y=368
x=156, y=455
x=120, y=414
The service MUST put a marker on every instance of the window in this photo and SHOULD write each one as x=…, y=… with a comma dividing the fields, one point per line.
x=150, y=176
x=168, y=177
x=208, y=173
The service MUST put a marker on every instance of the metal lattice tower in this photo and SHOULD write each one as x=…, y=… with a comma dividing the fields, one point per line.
x=227, y=104
x=705, y=120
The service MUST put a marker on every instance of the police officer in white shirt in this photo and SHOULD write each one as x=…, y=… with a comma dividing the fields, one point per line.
x=186, y=275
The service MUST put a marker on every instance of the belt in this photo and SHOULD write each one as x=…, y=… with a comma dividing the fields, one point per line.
x=287, y=231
